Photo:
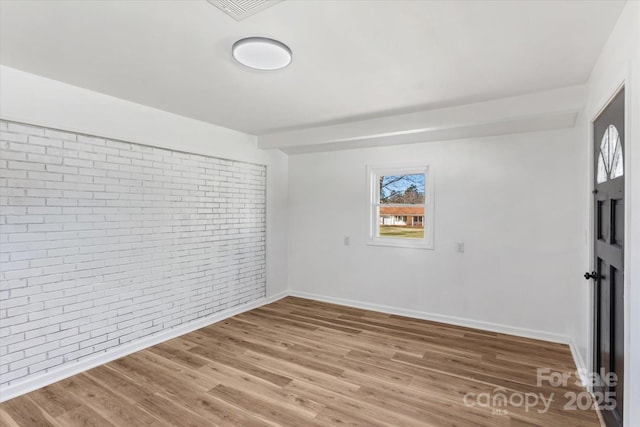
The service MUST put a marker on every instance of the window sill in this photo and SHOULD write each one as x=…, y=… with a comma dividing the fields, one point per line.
x=398, y=243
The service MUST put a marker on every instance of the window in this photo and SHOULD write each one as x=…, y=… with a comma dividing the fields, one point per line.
x=401, y=206
x=610, y=159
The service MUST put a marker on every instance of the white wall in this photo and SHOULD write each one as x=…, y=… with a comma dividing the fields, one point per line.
x=105, y=242
x=619, y=63
x=511, y=199
x=37, y=100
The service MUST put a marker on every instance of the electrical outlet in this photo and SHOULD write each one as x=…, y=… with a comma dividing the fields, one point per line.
x=347, y=240
x=460, y=247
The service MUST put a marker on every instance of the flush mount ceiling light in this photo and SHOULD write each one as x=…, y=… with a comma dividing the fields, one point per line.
x=261, y=53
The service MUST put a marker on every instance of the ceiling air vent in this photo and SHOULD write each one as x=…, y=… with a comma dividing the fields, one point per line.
x=241, y=9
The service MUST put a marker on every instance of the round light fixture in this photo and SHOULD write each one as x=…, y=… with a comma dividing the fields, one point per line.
x=261, y=53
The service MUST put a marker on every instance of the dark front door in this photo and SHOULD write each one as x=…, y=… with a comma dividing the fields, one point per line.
x=608, y=134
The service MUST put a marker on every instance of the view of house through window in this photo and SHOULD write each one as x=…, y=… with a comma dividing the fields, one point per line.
x=401, y=208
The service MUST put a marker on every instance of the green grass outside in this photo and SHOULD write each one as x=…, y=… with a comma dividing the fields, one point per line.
x=393, y=231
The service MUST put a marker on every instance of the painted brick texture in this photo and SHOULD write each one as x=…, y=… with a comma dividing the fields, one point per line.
x=104, y=242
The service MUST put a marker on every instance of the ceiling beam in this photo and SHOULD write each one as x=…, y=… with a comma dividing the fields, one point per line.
x=555, y=109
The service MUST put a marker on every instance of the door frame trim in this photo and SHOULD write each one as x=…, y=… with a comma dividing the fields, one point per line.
x=623, y=81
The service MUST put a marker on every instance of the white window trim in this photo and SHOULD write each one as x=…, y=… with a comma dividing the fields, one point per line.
x=373, y=172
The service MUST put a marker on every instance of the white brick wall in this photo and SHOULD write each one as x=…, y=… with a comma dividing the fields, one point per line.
x=103, y=242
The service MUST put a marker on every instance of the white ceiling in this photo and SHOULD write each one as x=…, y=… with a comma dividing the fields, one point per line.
x=352, y=59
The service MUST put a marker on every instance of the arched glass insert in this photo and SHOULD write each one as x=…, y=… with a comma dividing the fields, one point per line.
x=602, y=172
x=610, y=160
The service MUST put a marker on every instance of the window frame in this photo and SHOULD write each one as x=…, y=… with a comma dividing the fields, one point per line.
x=373, y=173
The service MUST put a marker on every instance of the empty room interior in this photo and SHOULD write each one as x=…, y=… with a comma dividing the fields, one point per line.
x=319, y=212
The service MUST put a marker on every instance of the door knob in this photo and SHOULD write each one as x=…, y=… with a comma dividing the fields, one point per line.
x=593, y=275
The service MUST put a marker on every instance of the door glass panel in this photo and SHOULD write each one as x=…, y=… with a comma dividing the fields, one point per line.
x=617, y=168
x=610, y=161
x=613, y=138
x=602, y=172
x=605, y=147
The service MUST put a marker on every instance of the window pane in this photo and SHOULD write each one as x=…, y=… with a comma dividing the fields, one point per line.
x=400, y=189
x=401, y=221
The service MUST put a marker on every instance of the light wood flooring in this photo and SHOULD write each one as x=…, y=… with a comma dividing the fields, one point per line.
x=298, y=362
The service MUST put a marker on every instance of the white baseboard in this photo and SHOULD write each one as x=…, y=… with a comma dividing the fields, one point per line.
x=583, y=370
x=459, y=321
x=67, y=371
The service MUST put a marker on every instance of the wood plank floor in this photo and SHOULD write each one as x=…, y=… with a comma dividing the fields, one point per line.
x=306, y=363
